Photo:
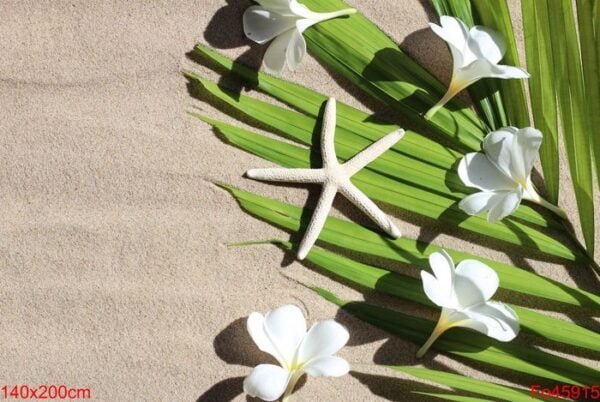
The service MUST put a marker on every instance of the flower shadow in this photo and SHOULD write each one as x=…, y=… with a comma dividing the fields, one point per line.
x=245, y=352
x=221, y=38
x=226, y=390
x=234, y=346
x=381, y=70
x=218, y=37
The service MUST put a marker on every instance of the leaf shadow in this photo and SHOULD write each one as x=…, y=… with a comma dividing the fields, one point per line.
x=380, y=69
x=247, y=65
x=397, y=389
x=387, y=354
x=428, y=231
x=394, y=344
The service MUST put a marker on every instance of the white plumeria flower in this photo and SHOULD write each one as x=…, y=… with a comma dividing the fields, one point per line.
x=502, y=173
x=282, y=334
x=464, y=294
x=475, y=53
x=284, y=20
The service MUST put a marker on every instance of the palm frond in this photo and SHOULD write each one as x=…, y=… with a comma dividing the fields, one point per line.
x=469, y=345
x=354, y=237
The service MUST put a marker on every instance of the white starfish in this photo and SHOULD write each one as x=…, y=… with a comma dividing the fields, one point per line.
x=335, y=177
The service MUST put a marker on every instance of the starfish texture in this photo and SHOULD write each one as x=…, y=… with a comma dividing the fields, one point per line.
x=335, y=177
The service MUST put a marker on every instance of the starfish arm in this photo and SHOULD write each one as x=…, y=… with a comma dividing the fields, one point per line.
x=318, y=219
x=372, y=152
x=365, y=204
x=328, y=134
x=287, y=175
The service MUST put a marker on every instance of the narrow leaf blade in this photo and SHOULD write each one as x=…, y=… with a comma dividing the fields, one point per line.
x=574, y=116
x=470, y=345
x=540, y=63
x=354, y=237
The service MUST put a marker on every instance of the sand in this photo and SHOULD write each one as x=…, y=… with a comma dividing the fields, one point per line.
x=114, y=267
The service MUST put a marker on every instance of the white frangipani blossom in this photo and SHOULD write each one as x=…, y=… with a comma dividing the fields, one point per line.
x=475, y=53
x=464, y=294
x=282, y=334
x=503, y=173
x=284, y=20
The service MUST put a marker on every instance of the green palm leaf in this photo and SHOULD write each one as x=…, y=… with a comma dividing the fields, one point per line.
x=358, y=50
x=396, y=192
x=310, y=103
x=350, y=119
x=485, y=93
x=588, y=18
x=470, y=345
x=351, y=236
x=416, y=159
x=574, y=115
x=495, y=14
x=451, y=397
x=484, y=388
x=419, y=175
x=540, y=63
x=409, y=288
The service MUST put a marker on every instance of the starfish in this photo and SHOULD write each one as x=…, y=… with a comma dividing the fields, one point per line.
x=334, y=177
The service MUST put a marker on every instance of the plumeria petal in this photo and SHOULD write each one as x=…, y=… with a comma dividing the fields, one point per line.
x=296, y=50
x=327, y=366
x=262, y=25
x=487, y=44
x=512, y=152
x=256, y=329
x=477, y=203
x=473, y=72
x=324, y=339
x=267, y=382
x=476, y=170
x=498, y=147
x=500, y=320
x=443, y=268
x=455, y=33
x=498, y=204
x=283, y=7
x=481, y=275
x=507, y=204
x=506, y=72
x=282, y=333
x=302, y=11
x=482, y=68
x=284, y=20
x=434, y=290
x=275, y=57
x=438, y=288
x=525, y=147
x=459, y=319
x=467, y=293
x=286, y=327
x=442, y=265
x=475, y=54
x=473, y=284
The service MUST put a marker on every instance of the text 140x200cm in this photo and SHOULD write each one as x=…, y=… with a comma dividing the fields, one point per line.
x=44, y=391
